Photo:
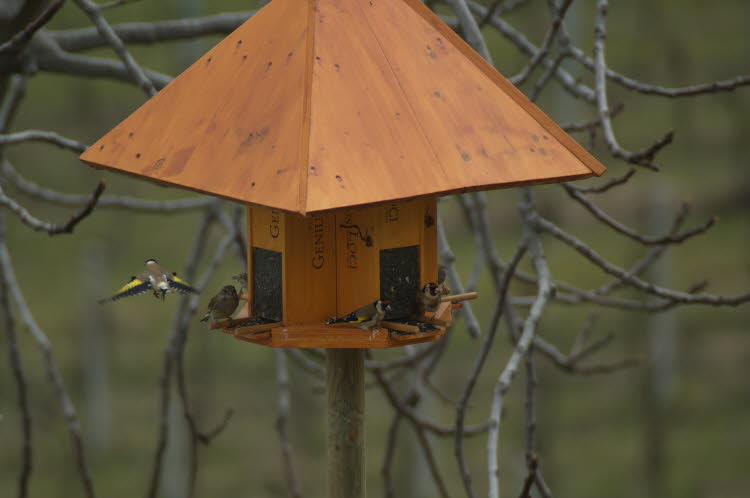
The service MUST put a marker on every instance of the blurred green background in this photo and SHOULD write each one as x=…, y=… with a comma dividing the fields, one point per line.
x=597, y=435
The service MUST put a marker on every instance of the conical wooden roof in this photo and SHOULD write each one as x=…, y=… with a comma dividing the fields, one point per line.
x=313, y=105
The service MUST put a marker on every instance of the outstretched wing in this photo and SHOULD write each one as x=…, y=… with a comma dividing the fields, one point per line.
x=180, y=285
x=135, y=287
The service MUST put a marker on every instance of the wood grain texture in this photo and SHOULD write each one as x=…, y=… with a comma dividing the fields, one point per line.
x=310, y=268
x=268, y=228
x=345, y=389
x=314, y=105
x=317, y=335
x=231, y=124
x=357, y=259
x=398, y=224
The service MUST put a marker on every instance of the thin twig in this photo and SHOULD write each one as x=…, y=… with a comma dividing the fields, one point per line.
x=105, y=201
x=524, y=342
x=53, y=374
x=644, y=157
x=570, y=83
x=19, y=377
x=75, y=40
x=42, y=136
x=106, y=31
x=115, y=3
x=469, y=28
x=549, y=72
x=599, y=214
x=168, y=364
x=632, y=280
x=604, y=187
x=498, y=8
x=541, y=53
x=282, y=416
x=52, y=229
x=448, y=259
x=389, y=456
x=22, y=37
x=478, y=365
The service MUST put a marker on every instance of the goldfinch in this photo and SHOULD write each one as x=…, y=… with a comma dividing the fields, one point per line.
x=222, y=305
x=428, y=298
x=153, y=278
x=366, y=317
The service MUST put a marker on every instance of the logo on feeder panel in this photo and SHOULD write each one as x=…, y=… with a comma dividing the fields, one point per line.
x=391, y=214
x=353, y=232
x=274, y=227
x=318, y=260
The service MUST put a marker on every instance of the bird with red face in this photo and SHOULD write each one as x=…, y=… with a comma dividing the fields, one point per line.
x=367, y=317
x=428, y=298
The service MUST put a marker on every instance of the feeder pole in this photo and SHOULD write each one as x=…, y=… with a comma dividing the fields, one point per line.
x=345, y=382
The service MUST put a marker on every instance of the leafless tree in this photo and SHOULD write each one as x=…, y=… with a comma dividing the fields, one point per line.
x=29, y=50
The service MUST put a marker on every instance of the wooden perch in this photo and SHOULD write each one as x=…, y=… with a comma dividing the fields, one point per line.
x=460, y=297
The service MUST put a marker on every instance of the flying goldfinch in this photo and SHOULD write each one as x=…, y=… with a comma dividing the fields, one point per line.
x=428, y=298
x=222, y=305
x=155, y=279
x=366, y=317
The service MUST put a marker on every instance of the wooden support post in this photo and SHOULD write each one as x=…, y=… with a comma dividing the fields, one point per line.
x=345, y=381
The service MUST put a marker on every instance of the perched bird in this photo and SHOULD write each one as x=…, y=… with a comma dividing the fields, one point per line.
x=153, y=278
x=241, y=279
x=428, y=298
x=223, y=304
x=443, y=288
x=366, y=317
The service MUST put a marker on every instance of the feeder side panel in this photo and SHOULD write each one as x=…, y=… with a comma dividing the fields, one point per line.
x=268, y=229
x=357, y=271
x=398, y=224
x=310, y=278
x=428, y=259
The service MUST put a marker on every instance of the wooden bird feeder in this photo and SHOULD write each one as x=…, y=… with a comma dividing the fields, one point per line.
x=339, y=123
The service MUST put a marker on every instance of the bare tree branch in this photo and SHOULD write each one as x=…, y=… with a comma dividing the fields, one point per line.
x=42, y=136
x=22, y=37
x=14, y=357
x=152, y=32
x=604, y=187
x=282, y=416
x=524, y=342
x=599, y=214
x=52, y=229
x=478, y=365
x=541, y=53
x=632, y=280
x=53, y=374
x=106, y=31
